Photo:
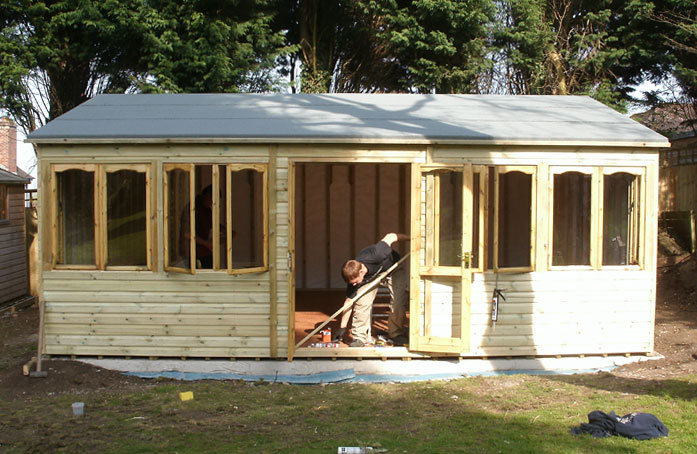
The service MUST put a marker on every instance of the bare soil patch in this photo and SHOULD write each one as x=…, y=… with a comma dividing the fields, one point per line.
x=675, y=340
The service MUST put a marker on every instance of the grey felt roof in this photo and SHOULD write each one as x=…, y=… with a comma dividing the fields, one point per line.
x=346, y=118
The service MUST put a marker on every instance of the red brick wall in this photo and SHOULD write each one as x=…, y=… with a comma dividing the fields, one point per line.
x=8, y=145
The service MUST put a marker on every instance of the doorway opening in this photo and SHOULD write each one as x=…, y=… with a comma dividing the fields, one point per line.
x=341, y=208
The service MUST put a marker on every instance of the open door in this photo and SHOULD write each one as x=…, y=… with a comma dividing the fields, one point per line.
x=441, y=256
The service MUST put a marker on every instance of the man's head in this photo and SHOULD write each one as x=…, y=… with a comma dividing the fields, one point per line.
x=353, y=272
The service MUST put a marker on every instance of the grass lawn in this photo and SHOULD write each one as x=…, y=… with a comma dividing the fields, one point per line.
x=507, y=414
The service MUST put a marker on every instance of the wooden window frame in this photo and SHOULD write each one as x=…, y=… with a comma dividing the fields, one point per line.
x=528, y=170
x=56, y=244
x=189, y=168
x=595, y=178
x=105, y=169
x=217, y=253
x=264, y=169
x=638, y=224
x=100, y=230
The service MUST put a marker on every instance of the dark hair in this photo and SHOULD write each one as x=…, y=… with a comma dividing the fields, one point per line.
x=350, y=270
x=208, y=190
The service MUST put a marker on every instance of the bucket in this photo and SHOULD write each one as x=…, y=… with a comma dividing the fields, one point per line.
x=326, y=335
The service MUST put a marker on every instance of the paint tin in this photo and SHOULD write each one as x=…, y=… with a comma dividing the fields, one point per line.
x=326, y=335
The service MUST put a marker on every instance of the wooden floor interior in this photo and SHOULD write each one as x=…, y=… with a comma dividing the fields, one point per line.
x=312, y=307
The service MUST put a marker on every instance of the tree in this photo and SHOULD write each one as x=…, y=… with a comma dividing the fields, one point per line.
x=208, y=46
x=337, y=48
x=439, y=45
x=676, y=21
x=57, y=54
x=564, y=47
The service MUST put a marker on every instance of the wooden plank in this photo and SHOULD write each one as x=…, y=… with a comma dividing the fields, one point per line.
x=159, y=342
x=162, y=352
x=636, y=347
x=156, y=330
x=160, y=319
x=551, y=330
x=154, y=286
x=193, y=308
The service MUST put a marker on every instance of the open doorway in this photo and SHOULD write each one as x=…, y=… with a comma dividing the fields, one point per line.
x=340, y=208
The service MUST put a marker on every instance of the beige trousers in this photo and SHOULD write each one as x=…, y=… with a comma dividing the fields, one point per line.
x=398, y=286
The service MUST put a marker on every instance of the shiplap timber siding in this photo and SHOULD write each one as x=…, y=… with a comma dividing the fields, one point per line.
x=212, y=314
x=13, y=255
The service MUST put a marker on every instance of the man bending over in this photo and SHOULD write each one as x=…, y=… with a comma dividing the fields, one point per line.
x=368, y=264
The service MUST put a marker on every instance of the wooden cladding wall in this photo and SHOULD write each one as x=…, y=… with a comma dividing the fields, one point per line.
x=564, y=312
x=210, y=314
x=13, y=257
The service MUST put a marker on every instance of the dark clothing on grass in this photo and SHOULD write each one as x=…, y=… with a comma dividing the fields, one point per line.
x=641, y=426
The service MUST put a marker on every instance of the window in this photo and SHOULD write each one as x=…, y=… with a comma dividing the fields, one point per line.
x=101, y=217
x=75, y=217
x=514, y=214
x=622, y=223
x=127, y=208
x=571, y=216
x=4, y=203
x=225, y=206
x=597, y=216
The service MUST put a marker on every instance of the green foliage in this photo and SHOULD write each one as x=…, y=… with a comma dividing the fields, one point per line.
x=66, y=51
x=209, y=46
x=439, y=45
x=57, y=54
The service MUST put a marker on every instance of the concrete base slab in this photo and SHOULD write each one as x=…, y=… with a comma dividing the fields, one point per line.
x=369, y=371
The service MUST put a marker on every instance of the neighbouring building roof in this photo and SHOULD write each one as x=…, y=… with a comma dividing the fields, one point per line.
x=10, y=178
x=668, y=119
x=337, y=118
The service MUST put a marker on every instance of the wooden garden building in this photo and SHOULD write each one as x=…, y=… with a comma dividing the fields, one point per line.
x=553, y=200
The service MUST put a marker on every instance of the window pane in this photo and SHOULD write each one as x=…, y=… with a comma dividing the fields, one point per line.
x=572, y=219
x=126, y=218
x=4, y=203
x=178, y=217
x=515, y=223
x=620, y=219
x=203, y=205
x=475, y=219
x=75, y=217
x=247, y=212
x=450, y=218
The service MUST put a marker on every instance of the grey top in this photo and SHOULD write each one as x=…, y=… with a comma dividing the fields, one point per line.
x=340, y=118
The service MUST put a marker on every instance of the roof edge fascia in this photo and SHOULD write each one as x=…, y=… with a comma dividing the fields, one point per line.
x=347, y=141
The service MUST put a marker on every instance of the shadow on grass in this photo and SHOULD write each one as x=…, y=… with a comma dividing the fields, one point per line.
x=671, y=388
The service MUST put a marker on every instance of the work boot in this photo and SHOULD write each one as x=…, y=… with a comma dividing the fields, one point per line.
x=357, y=343
x=339, y=335
x=400, y=340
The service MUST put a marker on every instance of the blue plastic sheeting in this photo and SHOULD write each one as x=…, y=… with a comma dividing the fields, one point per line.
x=314, y=379
x=349, y=376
